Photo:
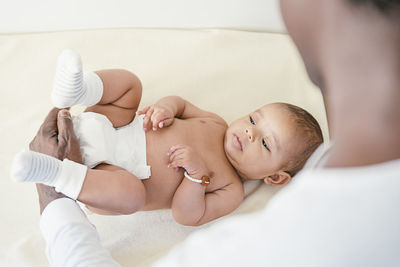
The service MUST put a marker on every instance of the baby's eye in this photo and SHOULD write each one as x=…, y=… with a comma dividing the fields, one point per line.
x=252, y=121
x=265, y=145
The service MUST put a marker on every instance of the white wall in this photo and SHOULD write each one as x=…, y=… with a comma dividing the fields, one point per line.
x=55, y=15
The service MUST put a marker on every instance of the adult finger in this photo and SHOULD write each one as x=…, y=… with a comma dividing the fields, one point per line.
x=49, y=126
x=65, y=127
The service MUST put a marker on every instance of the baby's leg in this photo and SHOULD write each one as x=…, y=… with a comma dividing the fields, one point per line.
x=106, y=187
x=113, y=93
x=111, y=190
x=121, y=96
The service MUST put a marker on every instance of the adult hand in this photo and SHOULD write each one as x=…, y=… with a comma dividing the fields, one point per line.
x=55, y=138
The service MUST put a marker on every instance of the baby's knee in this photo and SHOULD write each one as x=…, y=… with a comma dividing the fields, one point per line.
x=134, y=200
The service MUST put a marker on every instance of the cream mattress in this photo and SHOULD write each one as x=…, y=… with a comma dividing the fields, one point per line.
x=227, y=72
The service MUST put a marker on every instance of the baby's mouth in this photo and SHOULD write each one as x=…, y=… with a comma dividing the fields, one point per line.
x=237, y=143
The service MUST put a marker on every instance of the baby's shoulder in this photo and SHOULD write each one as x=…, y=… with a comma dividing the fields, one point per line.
x=218, y=120
x=218, y=125
x=213, y=126
x=212, y=118
x=224, y=176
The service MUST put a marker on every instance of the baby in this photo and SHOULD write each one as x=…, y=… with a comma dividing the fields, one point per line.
x=198, y=162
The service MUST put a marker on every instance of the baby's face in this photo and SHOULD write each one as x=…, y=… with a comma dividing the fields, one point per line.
x=259, y=144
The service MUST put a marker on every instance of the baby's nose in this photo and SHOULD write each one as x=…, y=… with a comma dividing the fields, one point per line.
x=249, y=135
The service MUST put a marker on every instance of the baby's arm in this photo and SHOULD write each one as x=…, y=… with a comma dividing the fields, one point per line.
x=166, y=109
x=191, y=204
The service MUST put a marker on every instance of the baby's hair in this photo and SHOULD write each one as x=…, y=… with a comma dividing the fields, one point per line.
x=308, y=127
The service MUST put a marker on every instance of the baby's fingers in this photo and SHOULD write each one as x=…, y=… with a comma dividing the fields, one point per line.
x=147, y=119
x=156, y=118
x=143, y=111
x=180, y=153
x=178, y=162
x=165, y=123
x=174, y=148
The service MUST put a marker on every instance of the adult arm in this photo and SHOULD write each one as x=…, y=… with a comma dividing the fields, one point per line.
x=71, y=239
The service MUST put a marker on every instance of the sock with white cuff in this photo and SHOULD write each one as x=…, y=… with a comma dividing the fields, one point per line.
x=72, y=86
x=66, y=176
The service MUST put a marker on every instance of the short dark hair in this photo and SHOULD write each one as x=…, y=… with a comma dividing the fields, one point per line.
x=307, y=126
x=384, y=6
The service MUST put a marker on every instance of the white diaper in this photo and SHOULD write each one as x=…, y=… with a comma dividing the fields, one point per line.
x=100, y=142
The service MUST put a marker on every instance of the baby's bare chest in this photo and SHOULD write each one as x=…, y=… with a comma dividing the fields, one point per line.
x=205, y=137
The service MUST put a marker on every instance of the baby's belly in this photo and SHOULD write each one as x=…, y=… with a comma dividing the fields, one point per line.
x=164, y=181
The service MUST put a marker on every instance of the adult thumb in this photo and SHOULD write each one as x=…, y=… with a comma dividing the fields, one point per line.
x=65, y=127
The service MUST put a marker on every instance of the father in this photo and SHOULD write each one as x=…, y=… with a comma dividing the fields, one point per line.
x=343, y=210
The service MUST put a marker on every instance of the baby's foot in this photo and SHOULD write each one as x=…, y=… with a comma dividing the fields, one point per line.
x=68, y=87
x=72, y=86
x=29, y=166
x=66, y=176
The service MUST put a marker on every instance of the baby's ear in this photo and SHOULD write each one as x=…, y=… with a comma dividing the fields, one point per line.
x=279, y=178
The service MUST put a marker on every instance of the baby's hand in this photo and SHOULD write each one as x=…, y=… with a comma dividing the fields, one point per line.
x=156, y=117
x=185, y=157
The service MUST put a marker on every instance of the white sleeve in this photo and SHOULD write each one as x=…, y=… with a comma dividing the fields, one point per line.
x=71, y=239
x=229, y=242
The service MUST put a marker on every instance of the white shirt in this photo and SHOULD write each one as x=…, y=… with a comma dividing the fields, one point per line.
x=324, y=217
x=71, y=239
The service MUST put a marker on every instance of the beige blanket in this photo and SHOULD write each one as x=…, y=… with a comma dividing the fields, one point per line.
x=227, y=72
